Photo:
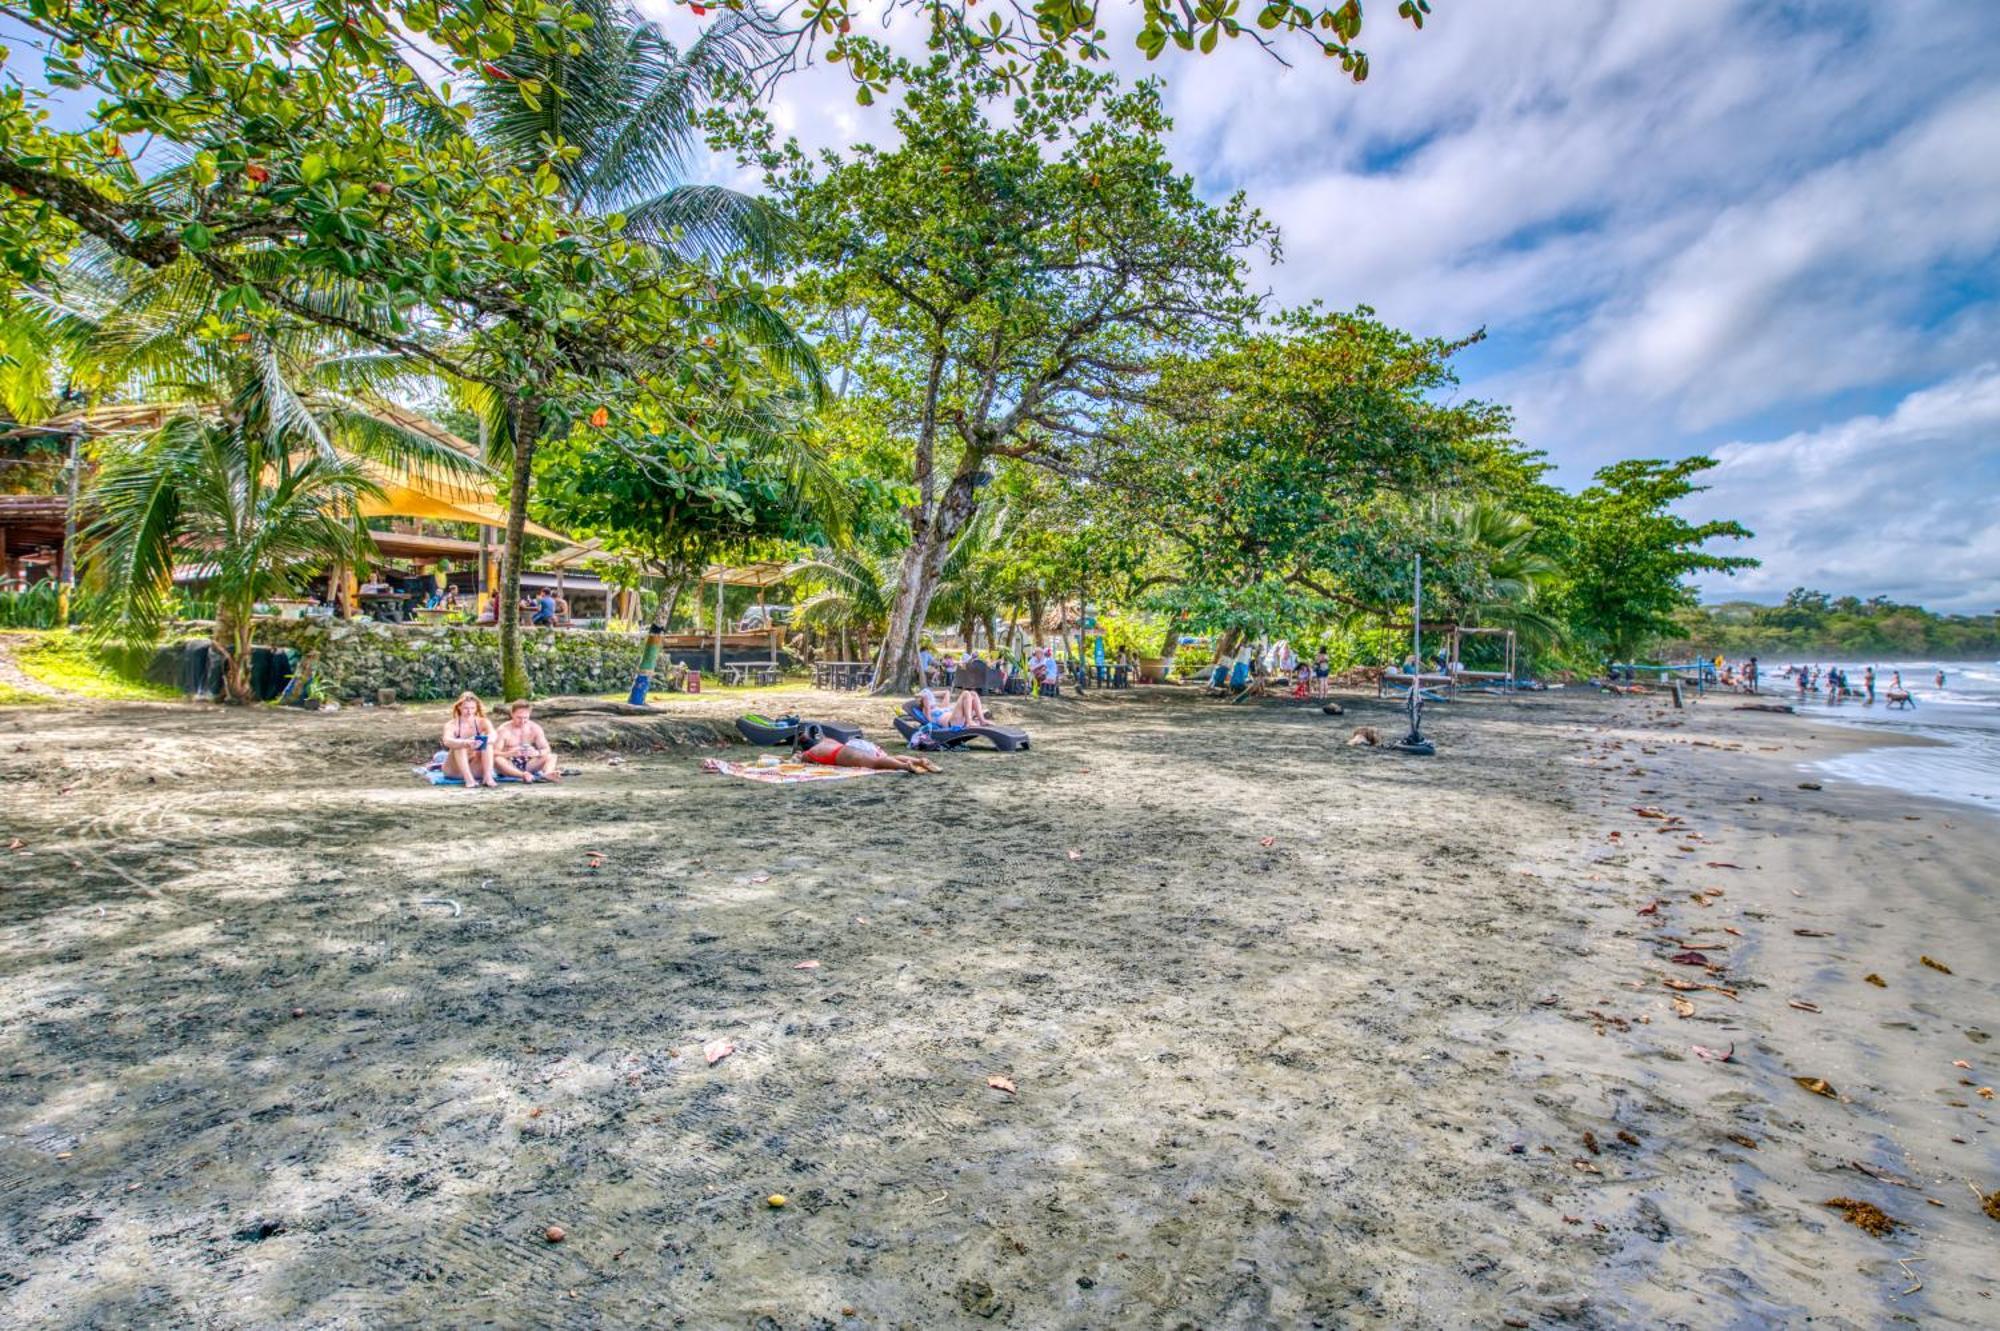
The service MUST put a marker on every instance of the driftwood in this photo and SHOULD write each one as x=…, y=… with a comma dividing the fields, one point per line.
x=1786, y=708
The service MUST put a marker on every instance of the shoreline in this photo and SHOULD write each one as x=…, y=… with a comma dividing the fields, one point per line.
x=1834, y=884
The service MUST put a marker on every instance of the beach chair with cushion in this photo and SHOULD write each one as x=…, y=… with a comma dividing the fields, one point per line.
x=771, y=731
x=1007, y=739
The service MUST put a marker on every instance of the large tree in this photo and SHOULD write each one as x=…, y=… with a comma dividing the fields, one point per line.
x=1287, y=477
x=305, y=161
x=1627, y=556
x=1006, y=288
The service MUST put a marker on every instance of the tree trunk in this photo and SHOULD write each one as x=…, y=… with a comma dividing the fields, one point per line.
x=232, y=640
x=524, y=415
x=1171, y=647
x=917, y=578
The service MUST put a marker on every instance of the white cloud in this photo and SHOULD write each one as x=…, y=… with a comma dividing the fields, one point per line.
x=1899, y=505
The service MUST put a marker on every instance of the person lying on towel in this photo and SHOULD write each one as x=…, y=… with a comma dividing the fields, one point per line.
x=859, y=752
x=967, y=711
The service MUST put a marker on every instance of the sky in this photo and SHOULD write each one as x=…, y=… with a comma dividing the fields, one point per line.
x=1764, y=230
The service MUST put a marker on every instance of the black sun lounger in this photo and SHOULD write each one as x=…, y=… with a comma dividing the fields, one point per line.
x=1006, y=739
x=790, y=730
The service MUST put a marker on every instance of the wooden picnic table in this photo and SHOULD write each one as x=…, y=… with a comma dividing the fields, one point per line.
x=385, y=606
x=843, y=674
x=761, y=672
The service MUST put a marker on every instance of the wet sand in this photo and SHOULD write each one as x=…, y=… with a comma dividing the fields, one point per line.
x=289, y=1039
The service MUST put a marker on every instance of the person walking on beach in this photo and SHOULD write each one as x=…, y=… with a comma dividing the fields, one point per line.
x=1750, y=674
x=1940, y=679
x=1868, y=682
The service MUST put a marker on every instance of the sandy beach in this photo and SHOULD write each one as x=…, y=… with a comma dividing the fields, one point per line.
x=1297, y=1034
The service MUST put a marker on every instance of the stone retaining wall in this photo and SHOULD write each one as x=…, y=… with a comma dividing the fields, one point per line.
x=425, y=661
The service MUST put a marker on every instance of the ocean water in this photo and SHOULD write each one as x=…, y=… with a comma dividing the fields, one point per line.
x=1963, y=716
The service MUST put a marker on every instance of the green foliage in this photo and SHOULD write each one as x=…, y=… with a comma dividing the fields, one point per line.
x=1626, y=556
x=1813, y=625
x=1016, y=41
x=1281, y=474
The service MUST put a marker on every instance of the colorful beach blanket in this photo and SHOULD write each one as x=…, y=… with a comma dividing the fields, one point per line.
x=784, y=774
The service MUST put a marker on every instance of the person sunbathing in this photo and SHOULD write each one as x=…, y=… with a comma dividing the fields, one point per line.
x=468, y=743
x=858, y=752
x=969, y=710
x=522, y=747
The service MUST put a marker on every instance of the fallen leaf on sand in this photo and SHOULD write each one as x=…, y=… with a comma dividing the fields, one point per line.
x=1732, y=929
x=1267, y=841
x=1689, y=958
x=593, y=860
x=536, y=1112
x=1585, y=1166
x=1961, y=1063
x=1682, y=1007
x=1809, y=785
x=1876, y=980
x=1002, y=1084
x=760, y=878
x=1812, y=933
x=805, y=965
x=1651, y=908
x=1648, y=811
x=1935, y=965
x=1864, y=1215
x=1818, y=1086
x=1986, y=1092
x=554, y=1234
x=1627, y=1138
x=1804, y=1006
x=717, y=1050
x=1747, y=1143
x=1689, y=985
x=16, y=844
x=1721, y=864
x=1075, y=854
x=1991, y=1205
x=1715, y=1055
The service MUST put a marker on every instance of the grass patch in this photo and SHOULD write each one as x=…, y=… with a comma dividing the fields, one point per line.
x=13, y=697
x=69, y=662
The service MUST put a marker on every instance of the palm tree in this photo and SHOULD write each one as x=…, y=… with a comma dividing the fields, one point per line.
x=625, y=106
x=857, y=589
x=248, y=492
x=1517, y=575
x=616, y=120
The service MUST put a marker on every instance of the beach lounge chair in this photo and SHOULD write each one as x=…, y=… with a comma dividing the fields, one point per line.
x=1007, y=739
x=791, y=730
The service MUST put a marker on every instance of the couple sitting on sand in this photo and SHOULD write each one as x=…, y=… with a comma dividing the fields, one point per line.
x=474, y=751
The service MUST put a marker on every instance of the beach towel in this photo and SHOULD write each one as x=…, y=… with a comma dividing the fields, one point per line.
x=784, y=774
x=434, y=773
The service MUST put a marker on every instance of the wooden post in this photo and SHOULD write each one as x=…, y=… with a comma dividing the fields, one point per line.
x=720, y=583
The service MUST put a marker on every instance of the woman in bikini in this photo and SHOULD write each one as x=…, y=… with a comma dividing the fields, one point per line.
x=468, y=743
x=967, y=711
x=859, y=752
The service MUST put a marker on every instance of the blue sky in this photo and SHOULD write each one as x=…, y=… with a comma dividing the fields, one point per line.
x=1765, y=231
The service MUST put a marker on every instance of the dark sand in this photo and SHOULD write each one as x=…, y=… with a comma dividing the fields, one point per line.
x=1351, y=1077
